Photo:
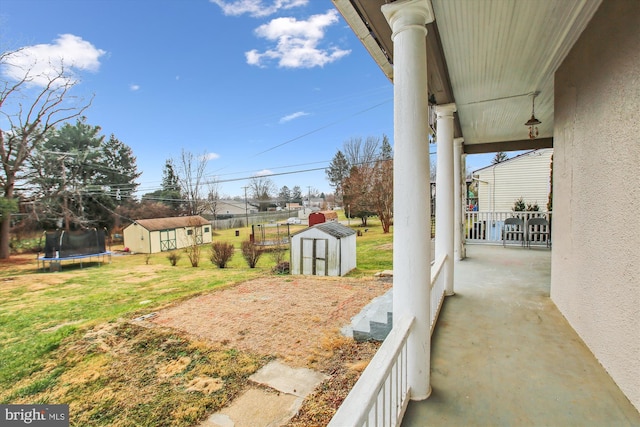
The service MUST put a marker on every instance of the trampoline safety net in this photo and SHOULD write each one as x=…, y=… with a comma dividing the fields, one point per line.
x=63, y=244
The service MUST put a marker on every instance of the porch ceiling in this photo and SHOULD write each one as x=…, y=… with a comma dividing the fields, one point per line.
x=487, y=57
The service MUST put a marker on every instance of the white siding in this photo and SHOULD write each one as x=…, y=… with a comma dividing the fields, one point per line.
x=136, y=238
x=525, y=176
x=341, y=253
x=140, y=240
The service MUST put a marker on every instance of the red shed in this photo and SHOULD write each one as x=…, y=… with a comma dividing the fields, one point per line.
x=322, y=216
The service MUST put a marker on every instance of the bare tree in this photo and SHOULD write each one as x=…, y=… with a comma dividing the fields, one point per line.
x=262, y=189
x=213, y=197
x=357, y=187
x=190, y=174
x=361, y=153
x=30, y=111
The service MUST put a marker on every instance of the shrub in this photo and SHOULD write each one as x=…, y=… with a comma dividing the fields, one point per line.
x=281, y=268
x=251, y=253
x=193, y=252
x=221, y=253
x=519, y=205
x=533, y=207
x=173, y=258
x=277, y=254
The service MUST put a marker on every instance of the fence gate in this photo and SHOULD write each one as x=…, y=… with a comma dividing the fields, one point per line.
x=313, y=256
x=168, y=240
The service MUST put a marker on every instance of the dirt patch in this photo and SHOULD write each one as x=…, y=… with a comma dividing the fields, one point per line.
x=285, y=317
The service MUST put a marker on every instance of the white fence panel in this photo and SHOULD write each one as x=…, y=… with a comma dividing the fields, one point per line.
x=486, y=227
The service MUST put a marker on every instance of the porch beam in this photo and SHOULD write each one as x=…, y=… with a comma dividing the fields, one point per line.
x=523, y=144
x=412, y=234
x=445, y=190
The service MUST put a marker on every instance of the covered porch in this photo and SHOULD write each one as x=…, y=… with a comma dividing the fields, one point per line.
x=467, y=75
x=502, y=353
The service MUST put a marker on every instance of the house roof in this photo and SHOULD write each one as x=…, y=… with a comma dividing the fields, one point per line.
x=514, y=158
x=156, y=224
x=332, y=228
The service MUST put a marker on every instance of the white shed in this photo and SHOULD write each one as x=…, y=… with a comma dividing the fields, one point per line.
x=165, y=234
x=527, y=176
x=326, y=249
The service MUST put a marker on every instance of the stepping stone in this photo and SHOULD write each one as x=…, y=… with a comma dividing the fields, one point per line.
x=296, y=381
x=256, y=408
x=263, y=408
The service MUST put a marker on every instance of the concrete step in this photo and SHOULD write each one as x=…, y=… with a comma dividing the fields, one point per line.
x=375, y=320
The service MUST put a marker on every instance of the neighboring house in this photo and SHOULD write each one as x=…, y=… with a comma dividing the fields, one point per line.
x=165, y=234
x=525, y=176
x=293, y=206
x=326, y=249
x=233, y=207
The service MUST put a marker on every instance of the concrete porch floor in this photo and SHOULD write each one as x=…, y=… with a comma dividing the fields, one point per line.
x=503, y=355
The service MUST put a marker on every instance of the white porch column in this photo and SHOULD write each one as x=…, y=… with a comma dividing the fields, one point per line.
x=445, y=189
x=411, y=233
x=458, y=199
x=465, y=205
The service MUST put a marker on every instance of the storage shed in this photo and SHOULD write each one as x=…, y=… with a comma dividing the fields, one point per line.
x=326, y=249
x=165, y=234
x=322, y=216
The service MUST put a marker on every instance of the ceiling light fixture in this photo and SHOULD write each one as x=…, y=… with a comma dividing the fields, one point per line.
x=533, y=122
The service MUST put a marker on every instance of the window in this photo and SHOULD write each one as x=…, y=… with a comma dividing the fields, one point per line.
x=189, y=232
x=206, y=229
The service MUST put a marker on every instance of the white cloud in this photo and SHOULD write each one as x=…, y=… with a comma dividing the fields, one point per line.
x=264, y=172
x=297, y=42
x=211, y=156
x=293, y=116
x=134, y=87
x=42, y=62
x=257, y=8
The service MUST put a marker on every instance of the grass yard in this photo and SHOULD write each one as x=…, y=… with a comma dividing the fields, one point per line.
x=67, y=337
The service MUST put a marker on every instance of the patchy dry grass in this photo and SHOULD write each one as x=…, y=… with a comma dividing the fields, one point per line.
x=124, y=374
x=347, y=361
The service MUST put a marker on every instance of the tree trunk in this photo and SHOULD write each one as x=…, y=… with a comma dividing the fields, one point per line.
x=5, y=225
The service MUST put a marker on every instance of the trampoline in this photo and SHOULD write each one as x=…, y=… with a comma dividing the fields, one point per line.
x=73, y=246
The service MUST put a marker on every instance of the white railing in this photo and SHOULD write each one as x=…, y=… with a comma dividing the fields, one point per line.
x=487, y=227
x=437, y=289
x=381, y=395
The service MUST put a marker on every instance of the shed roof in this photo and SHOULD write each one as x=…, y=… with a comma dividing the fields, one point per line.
x=332, y=228
x=156, y=224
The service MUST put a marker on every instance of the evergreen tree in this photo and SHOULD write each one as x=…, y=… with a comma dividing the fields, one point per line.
x=337, y=171
x=284, y=196
x=80, y=178
x=500, y=157
x=296, y=195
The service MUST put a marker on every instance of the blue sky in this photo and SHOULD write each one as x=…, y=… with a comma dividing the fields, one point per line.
x=260, y=86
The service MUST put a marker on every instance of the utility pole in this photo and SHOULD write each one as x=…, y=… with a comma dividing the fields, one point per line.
x=246, y=209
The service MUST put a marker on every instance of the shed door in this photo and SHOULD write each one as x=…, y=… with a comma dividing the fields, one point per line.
x=314, y=256
x=168, y=240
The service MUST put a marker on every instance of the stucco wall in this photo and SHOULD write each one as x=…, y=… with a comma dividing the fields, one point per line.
x=595, y=274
